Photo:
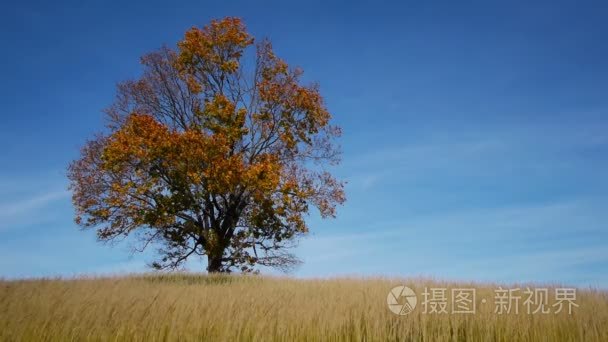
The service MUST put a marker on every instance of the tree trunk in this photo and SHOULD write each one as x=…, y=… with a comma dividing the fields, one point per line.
x=214, y=263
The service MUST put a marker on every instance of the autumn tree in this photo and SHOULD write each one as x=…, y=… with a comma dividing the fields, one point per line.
x=217, y=150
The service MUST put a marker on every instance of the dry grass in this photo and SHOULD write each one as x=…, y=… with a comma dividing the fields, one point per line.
x=228, y=308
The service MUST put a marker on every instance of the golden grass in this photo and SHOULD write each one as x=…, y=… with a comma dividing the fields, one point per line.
x=180, y=307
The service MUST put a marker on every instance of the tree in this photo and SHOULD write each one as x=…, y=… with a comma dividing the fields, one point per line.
x=206, y=155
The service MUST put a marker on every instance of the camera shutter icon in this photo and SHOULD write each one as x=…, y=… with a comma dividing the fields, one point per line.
x=401, y=300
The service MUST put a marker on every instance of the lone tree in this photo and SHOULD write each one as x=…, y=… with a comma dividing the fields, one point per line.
x=208, y=155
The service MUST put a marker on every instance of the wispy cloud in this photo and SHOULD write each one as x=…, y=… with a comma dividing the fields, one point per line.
x=411, y=161
x=481, y=243
x=28, y=210
x=8, y=210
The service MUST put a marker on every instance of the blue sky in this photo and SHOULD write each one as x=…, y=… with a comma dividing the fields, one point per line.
x=475, y=135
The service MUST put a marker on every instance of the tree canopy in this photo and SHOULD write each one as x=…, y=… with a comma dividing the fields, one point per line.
x=217, y=150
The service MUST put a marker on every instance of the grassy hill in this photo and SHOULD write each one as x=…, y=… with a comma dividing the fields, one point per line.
x=227, y=308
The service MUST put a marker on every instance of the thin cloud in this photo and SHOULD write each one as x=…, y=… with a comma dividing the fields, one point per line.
x=483, y=151
x=13, y=211
x=481, y=243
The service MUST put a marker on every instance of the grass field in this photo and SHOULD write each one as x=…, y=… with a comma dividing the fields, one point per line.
x=180, y=307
